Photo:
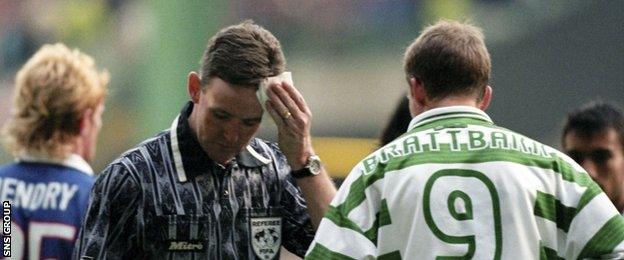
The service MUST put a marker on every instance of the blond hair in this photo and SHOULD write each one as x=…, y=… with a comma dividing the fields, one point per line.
x=450, y=59
x=52, y=91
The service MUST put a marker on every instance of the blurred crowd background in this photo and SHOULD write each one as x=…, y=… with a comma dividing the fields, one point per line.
x=548, y=57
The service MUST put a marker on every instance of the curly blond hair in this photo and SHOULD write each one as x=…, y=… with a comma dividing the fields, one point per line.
x=52, y=91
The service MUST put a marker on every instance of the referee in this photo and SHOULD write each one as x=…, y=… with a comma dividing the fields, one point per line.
x=206, y=188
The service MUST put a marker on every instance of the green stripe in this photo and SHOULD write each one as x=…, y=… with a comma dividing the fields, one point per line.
x=321, y=252
x=606, y=239
x=592, y=191
x=547, y=253
x=395, y=255
x=445, y=155
x=548, y=207
x=340, y=219
x=382, y=218
x=356, y=192
x=556, y=164
x=384, y=214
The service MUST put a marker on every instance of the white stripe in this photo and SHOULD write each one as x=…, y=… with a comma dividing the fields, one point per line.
x=344, y=241
x=345, y=188
x=587, y=223
x=177, y=157
x=365, y=214
x=516, y=185
x=257, y=155
x=552, y=239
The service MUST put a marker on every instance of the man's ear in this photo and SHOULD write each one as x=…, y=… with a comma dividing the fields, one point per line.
x=86, y=122
x=194, y=86
x=417, y=91
x=486, y=99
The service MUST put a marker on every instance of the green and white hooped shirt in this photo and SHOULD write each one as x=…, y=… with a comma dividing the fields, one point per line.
x=458, y=186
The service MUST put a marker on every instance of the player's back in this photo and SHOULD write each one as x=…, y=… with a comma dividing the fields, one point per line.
x=48, y=202
x=487, y=192
x=463, y=187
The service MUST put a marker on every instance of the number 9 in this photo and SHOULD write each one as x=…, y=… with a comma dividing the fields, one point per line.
x=446, y=180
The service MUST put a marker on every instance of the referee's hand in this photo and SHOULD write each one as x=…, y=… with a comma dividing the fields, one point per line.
x=293, y=119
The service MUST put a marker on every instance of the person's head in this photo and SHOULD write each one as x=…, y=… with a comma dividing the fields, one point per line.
x=397, y=124
x=227, y=113
x=57, y=105
x=448, y=64
x=594, y=137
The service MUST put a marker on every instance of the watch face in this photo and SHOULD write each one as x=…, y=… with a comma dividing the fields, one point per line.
x=315, y=165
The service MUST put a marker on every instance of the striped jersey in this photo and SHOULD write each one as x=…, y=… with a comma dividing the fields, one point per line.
x=458, y=186
x=166, y=199
x=46, y=200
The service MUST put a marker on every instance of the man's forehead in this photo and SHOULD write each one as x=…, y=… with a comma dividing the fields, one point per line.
x=235, y=112
x=583, y=141
x=222, y=91
x=592, y=132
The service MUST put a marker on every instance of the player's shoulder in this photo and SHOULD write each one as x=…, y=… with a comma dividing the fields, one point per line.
x=137, y=154
x=557, y=160
x=67, y=174
x=12, y=170
x=264, y=145
x=266, y=148
x=9, y=168
x=128, y=168
x=118, y=176
x=46, y=171
x=160, y=141
x=265, y=152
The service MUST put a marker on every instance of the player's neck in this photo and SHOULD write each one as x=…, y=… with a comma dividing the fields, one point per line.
x=78, y=147
x=452, y=101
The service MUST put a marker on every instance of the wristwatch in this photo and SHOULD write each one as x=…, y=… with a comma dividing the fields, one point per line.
x=312, y=168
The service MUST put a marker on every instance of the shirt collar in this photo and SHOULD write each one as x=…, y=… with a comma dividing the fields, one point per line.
x=448, y=112
x=190, y=159
x=72, y=161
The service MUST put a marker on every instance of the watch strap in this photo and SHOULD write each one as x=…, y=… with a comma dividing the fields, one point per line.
x=302, y=173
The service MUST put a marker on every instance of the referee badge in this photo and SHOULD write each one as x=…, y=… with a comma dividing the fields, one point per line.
x=266, y=236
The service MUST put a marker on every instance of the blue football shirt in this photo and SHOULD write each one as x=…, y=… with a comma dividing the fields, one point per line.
x=48, y=202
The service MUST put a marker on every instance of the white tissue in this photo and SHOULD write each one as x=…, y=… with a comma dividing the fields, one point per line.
x=286, y=76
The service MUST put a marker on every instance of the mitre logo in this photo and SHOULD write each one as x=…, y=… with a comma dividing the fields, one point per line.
x=186, y=246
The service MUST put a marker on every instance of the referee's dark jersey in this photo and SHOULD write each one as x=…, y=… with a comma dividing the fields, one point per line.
x=165, y=199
